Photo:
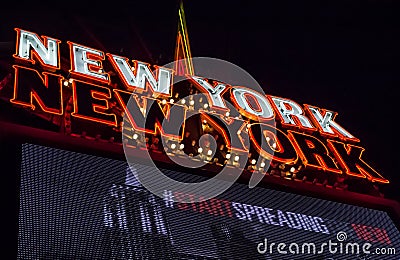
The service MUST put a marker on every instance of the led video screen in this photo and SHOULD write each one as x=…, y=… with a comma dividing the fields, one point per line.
x=79, y=206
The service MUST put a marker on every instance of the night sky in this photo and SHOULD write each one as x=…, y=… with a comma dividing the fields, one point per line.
x=339, y=55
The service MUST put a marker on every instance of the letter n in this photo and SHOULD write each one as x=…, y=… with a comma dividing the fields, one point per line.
x=31, y=88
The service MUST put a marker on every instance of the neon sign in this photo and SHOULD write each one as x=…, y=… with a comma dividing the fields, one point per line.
x=307, y=134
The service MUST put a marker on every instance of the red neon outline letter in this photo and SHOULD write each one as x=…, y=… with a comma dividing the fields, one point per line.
x=349, y=157
x=47, y=88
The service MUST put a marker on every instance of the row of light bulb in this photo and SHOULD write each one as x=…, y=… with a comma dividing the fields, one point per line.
x=236, y=158
x=209, y=152
x=273, y=144
x=183, y=101
x=173, y=146
x=67, y=82
x=191, y=103
x=262, y=165
x=228, y=155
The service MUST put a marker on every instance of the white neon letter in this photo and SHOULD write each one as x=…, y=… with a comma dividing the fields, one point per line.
x=326, y=122
x=295, y=110
x=264, y=110
x=29, y=42
x=214, y=93
x=161, y=85
x=81, y=61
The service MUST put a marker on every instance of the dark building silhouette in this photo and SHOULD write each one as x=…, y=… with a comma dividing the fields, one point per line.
x=137, y=225
x=232, y=243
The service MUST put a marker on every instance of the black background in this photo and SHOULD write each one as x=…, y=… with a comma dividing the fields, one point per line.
x=339, y=55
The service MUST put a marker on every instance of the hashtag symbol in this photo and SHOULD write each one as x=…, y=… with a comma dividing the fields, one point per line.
x=168, y=198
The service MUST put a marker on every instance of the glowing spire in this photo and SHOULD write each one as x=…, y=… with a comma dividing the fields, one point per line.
x=183, y=56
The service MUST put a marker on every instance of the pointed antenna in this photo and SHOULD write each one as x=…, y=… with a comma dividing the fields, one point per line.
x=183, y=55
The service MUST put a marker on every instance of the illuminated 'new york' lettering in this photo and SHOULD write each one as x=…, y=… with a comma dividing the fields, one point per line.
x=326, y=125
x=349, y=157
x=139, y=76
x=30, y=45
x=164, y=119
x=30, y=86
